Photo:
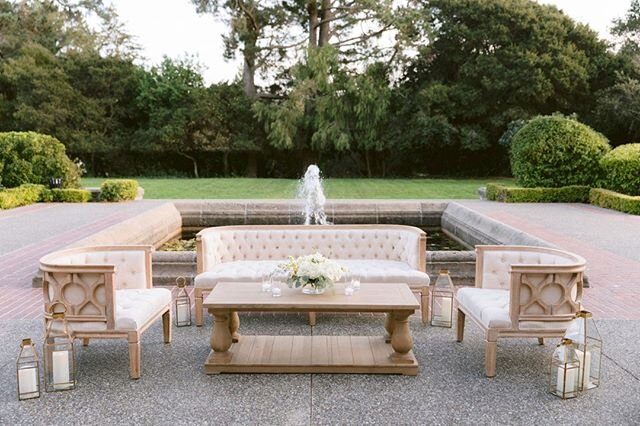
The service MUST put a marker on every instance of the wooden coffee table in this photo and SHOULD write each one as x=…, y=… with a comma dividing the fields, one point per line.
x=232, y=353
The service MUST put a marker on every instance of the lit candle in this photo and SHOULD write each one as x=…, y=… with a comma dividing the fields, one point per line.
x=183, y=313
x=60, y=363
x=355, y=283
x=276, y=292
x=348, y=291
x=585, y=369
x=27, y=380
x=566, y=384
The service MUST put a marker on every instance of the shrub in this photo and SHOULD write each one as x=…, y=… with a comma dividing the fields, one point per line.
x=29, y=157
x=614, y=200
x=566, y=194
x=20, y=196
x=67, y=195
x=118, y=190
x=555, y=151
x=621, y=168
x=512, y=128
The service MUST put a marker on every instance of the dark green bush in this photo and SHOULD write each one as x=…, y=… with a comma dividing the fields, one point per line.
x=554, y=151
x=614, y=200
x=66, y=195
x=118, y=190
x=29, y=157
x=20, y=196
x=566, y=194
x=621, y=168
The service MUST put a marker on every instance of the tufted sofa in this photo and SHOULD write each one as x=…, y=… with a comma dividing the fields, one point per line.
x=106, y=292
x=521, y=291
x=373, y=253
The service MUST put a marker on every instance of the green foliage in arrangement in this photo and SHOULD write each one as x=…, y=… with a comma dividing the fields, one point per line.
x=67, y=195
x=29, y=157
x=621, y=168
x=554, y=151
x=21, y=196
x=566, y=194
x=614, y=200
x=118, y=190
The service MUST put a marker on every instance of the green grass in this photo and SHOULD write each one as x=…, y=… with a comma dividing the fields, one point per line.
x=230, y=188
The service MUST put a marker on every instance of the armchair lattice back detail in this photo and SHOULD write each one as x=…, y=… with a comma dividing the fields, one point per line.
x=107, y=294
x=521, y=291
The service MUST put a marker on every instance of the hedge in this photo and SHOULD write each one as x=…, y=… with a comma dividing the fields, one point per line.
x=118, y=190
x=614, y=200
x=555, y=151
x=68, y=195
x=621, y=169
x=20, y=196
x=566, y=194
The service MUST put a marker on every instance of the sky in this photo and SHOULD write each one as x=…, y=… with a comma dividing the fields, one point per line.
x=173, y=28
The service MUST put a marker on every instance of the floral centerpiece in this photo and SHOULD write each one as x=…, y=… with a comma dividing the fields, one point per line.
x=313, y=273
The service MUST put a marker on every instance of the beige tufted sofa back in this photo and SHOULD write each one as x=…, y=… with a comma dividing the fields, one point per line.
x=277, y=242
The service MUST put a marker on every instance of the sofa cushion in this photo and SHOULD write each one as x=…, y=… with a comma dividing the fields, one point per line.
x=365, y=270
x=134, y=308
x=490, y=306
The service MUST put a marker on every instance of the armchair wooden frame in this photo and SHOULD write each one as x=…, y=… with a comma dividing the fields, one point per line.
x=527, y=281
x=98, y=281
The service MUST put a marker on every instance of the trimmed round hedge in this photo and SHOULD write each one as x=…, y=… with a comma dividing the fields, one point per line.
x=621, y=168
x=554, y=151
x=30, y=157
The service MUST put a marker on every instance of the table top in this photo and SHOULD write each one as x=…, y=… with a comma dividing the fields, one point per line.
x=372, y=297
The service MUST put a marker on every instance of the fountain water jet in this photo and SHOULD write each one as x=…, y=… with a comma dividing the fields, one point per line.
x=311, y=192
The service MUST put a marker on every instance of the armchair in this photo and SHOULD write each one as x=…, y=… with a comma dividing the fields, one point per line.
x=107, y=294
x=521, y=291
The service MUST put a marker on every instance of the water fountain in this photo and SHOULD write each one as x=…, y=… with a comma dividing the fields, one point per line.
x=311, y=192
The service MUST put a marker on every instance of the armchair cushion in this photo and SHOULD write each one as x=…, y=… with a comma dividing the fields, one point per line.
x=490, y=306
x=365, y=270
x=495, y=271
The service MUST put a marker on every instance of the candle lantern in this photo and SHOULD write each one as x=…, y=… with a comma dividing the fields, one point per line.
x=28, y=371
x=565, y=369
x=183, y=304
x=59, y=355
x=442, y=300
x=585, y=335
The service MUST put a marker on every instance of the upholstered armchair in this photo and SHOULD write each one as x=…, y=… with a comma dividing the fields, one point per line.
x=107, y=293
x=521, y=292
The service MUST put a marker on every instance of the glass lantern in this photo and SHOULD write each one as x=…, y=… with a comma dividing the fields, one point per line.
x=59, y=355
x=28, y=371
x=565, y=371
x=183, y=304
x=442, y=300
x=585, y=335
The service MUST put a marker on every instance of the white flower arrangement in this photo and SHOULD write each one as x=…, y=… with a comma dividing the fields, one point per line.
x=312, y=270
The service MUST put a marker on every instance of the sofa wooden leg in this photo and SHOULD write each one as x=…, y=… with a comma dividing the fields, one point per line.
x=490, y=357
x=166, y=326
x=460, y=326
x=312, y=319
x=424, y=306
x=199, y=308
x=85, y=341
x=134, y=356
x=541, y=340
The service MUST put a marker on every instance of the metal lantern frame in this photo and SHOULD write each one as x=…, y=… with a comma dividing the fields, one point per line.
x=442, y=295
x=59, y=355
x=182, y=304
x=564, y=371
x=27, y=371
x=586, y=337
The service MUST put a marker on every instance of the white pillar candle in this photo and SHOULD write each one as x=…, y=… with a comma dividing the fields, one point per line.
x=27, y=380
x=566, y=384
x=60, y=364
x=446, y=309
x=183, y=313
x=585, y=369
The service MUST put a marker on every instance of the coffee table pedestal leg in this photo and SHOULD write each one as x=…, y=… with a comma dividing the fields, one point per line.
x=221, y=335
x=401, y=340
x=234, y=324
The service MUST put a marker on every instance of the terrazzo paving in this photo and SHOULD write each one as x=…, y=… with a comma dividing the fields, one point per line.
x=449, y=389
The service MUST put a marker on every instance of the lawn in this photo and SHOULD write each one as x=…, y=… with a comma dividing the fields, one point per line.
x=230, y=188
